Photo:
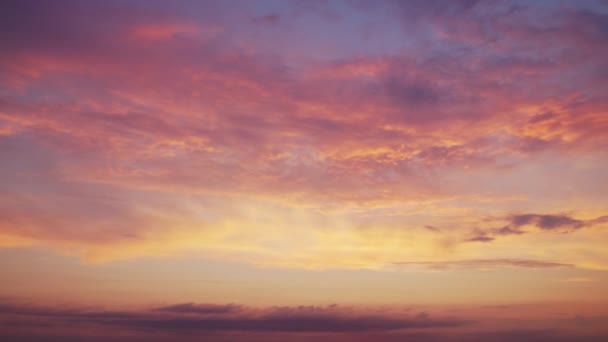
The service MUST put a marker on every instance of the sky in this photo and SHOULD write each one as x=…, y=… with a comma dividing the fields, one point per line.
x=258, y=170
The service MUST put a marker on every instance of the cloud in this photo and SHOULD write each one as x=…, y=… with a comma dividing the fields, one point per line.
x=174, y=318
x=493, y=336
x=535, y=335
x=545, y=222
x=480, y=238
x=508, y=230
x=482, y=264
x=479, y=235
x=22, y=322
x=144, y=120
x=563, y=223
x=432, y=228
x=201, y=309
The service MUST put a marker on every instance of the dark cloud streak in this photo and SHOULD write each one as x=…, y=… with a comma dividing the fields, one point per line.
x=211, y=317
x=559, y=222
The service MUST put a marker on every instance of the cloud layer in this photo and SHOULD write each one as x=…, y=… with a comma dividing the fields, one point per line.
x=332, y=323
x=176, y=318
x=305, y=135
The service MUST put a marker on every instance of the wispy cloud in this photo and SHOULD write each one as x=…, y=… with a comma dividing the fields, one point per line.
x=482, y=264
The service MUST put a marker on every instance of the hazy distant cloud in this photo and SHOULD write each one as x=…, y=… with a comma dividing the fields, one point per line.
x=33, y=310
x=483, y=264
x=202, y=309
x=480, y=238
x=297, y=319
x=498, y=335
x=540, y=335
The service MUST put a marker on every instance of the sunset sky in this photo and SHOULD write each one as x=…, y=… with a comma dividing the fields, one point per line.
x=281, y=170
